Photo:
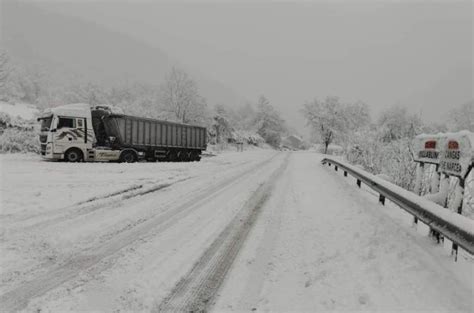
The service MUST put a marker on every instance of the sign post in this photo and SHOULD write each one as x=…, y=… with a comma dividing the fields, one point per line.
x=457, y=160
x=426, y=151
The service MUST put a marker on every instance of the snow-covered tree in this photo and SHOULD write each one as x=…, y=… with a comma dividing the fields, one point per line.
x=268, y=122
x=245, y=116
x=180, y=97
x=221, y=125
x=357, y=116
x=326, y=119
x=136, y=99
x=396, y=123
x=387, y=147
x=90, y=93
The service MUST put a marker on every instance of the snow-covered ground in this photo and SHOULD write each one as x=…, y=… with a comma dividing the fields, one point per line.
x=322, y=244
x=124, y=237
x=61, y=215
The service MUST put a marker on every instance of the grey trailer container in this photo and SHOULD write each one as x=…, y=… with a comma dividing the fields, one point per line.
x=153, y=139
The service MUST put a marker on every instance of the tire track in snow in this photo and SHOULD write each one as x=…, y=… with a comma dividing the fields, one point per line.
x=195, y=292
x=93, y=203
x=82, y=208
x=97, y=259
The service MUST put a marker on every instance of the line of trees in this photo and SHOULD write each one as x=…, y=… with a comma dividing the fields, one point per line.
x=383, y=145
x=177, y=98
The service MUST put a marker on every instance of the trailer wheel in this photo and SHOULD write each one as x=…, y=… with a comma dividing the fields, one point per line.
x=73, y=155
x=172, y=156
x=195, y=156
x=128, y=157
x=183, y=156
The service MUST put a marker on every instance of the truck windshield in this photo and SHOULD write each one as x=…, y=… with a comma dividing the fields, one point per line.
x=46, y=123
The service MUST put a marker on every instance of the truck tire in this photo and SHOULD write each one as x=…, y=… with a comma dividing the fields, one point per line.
x=195, y=156
x=74, y=155
x=183, y=156
x=172, y=156
x=128, y=156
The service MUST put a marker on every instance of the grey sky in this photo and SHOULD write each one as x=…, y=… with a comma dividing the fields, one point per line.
x=418, y=54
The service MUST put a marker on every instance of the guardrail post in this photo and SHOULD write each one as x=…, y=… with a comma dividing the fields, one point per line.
x=382, y=199
x=418, y=181
x=358, y=182
x=345, y=173
x=335, y=167
x=434, y=188
x=443, y=190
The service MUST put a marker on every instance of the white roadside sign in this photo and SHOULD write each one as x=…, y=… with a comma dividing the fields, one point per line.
x=457, y=154
x=428, y=148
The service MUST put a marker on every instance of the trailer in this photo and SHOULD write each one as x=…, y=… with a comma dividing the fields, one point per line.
x=77, y=132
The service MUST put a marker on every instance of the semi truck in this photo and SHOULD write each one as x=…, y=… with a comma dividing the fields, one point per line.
x=79, y=132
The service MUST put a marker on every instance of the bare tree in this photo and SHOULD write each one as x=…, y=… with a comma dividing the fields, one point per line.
x=180, y=97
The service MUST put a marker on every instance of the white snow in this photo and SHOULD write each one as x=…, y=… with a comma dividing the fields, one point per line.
x=47, y=218
x=440, y=196
x=460, y=221
x=118, y=237
x=322, y=244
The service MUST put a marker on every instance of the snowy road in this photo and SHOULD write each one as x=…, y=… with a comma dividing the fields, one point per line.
x=322, y=245
x=122, y=249
x=253, y=231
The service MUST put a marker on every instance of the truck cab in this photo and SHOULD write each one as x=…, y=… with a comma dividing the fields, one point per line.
x=67, y=133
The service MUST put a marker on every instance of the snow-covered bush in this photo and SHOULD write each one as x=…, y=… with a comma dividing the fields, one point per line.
x=19, y=140
x=387, y=146
x=18, y=134
x=5, y=120
x=469, y=195
x=394, y=159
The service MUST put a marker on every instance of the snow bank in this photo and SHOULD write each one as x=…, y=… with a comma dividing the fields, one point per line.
x=32, y=186
x=457, y=220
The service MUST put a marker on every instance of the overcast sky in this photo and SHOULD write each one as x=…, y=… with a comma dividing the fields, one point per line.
x=417, y=53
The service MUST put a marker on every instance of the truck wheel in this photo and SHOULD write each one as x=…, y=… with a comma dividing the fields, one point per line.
x=183, y=156
x=172, y=156
x=128, y=157
x=73, y=155
x=195, y=156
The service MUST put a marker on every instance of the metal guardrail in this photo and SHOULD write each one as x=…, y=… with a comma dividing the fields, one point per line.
x=458, y=235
